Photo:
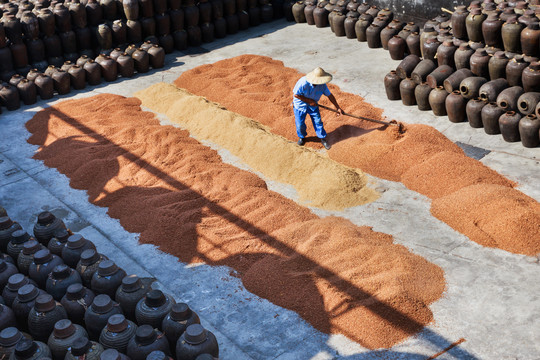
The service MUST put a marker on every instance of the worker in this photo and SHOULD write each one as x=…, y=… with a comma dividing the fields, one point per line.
x=307, y=92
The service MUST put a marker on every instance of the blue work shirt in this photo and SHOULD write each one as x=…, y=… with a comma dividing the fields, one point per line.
x=305, y=88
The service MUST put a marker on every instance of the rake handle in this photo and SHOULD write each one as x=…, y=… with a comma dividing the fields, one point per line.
x=357, y=117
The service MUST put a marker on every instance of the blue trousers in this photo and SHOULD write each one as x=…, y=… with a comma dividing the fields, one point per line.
x=300, y=121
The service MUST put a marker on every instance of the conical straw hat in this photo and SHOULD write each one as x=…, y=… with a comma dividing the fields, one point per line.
x=318, y=77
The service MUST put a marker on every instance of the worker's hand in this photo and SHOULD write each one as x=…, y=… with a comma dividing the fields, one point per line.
x=312, y=102
x=339, y=111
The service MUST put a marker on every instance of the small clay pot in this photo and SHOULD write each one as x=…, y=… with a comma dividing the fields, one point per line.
x=455, y=107
x=509, y=125
x=42, y=317
x=421, y=94
x=474, y=112
x=391, y=84
x=60, y=279
x=76, y=301
x=196, y=340
x=490, y=118
x=63, y=336
x=437, y=101
x=117, y=333
x=107, y=279
x=529, y=131
x=177, y=321
x=531, y=77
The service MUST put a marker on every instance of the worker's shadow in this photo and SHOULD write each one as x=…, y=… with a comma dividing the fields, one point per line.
x=347, y=131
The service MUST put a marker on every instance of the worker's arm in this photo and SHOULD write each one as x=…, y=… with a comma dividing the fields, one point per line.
x=334, y=101
x=306, y=100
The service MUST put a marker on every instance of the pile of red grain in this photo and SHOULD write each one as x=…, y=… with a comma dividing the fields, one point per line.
x=180, y=196
x=421, y=157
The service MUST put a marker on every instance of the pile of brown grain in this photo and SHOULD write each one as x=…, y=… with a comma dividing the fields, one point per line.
x=320, y=181
x=422, y=158
x=180, y=196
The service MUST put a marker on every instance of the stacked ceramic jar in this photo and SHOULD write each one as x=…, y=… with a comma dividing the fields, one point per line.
x=61, y=299
x=481, y=66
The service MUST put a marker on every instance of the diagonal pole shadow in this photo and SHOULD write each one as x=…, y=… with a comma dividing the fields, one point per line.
x=383, y=310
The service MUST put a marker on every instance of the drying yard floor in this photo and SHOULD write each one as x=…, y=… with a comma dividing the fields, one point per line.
x=492, y=296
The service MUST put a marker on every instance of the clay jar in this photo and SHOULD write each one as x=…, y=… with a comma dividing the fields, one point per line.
x=145, y=341
x=497, y=65
x=27, y=255
x=24, y=302
x=77, y=77
x=407, y=66
x=421, y=94
x=194, y=341
x=58, y=241
x=46, y=225
x=437, y=101
x=142, y=60
x=42, y=317
x=177, y=321
x=531, y=77
x=490, y=90
x=107, y=279
x=75, y=246
x=6, y=270
x=413, y=44
x=153, y=308
x=387, y=33
x=474, y=112
x=126, y=65
x=397, y=48
x=530, y=39
x=428, y=32
x=62, y=82
x=490, y=118
x=509, y=125
x=529, y=129
x=406, y=90
x=117, y=333
x=514, y=70
x=98, y=313
x=84, y=349
x=473, y=24
x=45, y=86
x=320, y=15
x=63, y=336
x=157, y=56
x=445, y=53
x=7, y=226
x=508, y=98
x=76, y=302
x=27, y=92
x=491, y=30
x=130, y=292
x=350, y=23
x=527, y=102
x=361, y=26
x=43, y=264
x=453, y=82
x=88, y=264
x=9, y=338
x=437, y=76
x=60, y=279
x=455, y=107
x=511, y=35
x=458, y=20
x=15, y=282
x=109, y=69
x=27, y=349
x=373, y=36
x=479, y=63
x=93, y=72
x=429, y=49
x=298, y=12
x=112, y=354
x=422, y=70
x=16, y=244
x=391, y=85
x=7, y=317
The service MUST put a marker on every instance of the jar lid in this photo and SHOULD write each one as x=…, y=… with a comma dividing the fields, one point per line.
x=110, y=354
x=500, y=55
x=145, y=335
x=5, y=222
x=180, y=312
x=481, y=51
x=75, y=241
x=61, y=271
x=75, y=291
x=476, y=11
x=102, y=304
x=534, y=25
x=157, y=355
x=25, y=348
x=42, y=256
x=45, y=218
x=107, y=268
x=10, y=336
x=155, y=298
x=448, y=43
x=63, y=329
x=45, y=303
x=61, y=235
x=80, y=346
x=89, y=257
x=16, y=281
x=117, y=323
x=27, y=292
x=195, y=334
x=531, y=116
x=19, y=236
x=512, y=19
x=131, y=283
x=464, y=46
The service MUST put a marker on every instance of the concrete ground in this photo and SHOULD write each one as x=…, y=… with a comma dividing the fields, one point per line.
x=492, y=296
